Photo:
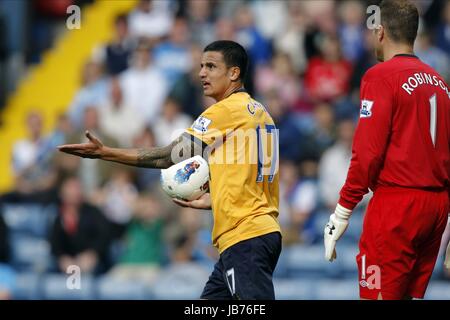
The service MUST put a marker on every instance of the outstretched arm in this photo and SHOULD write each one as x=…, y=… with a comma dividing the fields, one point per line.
x=161, y=158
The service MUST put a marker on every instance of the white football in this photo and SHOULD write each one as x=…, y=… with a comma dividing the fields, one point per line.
x=186, y=180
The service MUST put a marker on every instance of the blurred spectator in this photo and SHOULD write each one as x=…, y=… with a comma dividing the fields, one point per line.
x=182, y=272
x=334, y=164
x=351, y=30
x=92, y=172
x=289, y=179
x=443, y=30
x=26, y=152
x=280, y=77
x=274, y=26
x=146, y=178
x=289, y=132
x=196, y=225
x=292, y=41
x=47, y=20
x=365, y=62
x=432, y=55
x=79, y=235
x=304, y=202
x=225, y=29
x=143, y=85
x=172, y=122
x=328, y=75
x=151, y=20
x=92, y=93
x=322, y=20
x=30, y=158
x=173, y=56
x=187, y=90
x=143, y=251
x=244, y=31
x=323, y=14
x=247, y=34
x=115, y=115
x=63, y=129
x=199, y=14
x=116, y=199
x=321, y=135
x=116, y=54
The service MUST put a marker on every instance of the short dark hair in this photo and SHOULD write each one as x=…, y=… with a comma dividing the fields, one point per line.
x=400, y=18
x=233, y=53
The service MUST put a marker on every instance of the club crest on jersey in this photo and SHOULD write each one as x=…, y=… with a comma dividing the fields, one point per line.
x=201, y=124
x=366, y=109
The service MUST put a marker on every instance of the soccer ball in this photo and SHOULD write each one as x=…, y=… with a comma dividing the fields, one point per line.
x=186, y=180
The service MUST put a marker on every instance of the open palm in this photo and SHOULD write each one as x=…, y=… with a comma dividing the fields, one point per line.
x=204, y=202
x=92, y=149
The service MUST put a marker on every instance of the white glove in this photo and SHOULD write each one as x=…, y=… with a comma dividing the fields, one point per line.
x=334, y=229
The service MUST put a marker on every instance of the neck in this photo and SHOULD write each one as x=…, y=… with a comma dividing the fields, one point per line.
x=234, y=87
x=392, y=50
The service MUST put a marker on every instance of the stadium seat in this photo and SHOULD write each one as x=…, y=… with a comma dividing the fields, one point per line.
x=30, y=253
x=438, y=290
x=27, y=286
x=183, y=281
x=29, y=219
x=54, y=287
x=293, y=289
x=353, y=232
x=336, y=290
x=346, y=255
x=281, y=270
x=309, y=261
x=109, y=288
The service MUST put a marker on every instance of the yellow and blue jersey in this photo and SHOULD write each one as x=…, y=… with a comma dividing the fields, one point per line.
x=243, y=162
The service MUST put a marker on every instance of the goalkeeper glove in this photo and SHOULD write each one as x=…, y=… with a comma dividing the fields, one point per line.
x=334, y=229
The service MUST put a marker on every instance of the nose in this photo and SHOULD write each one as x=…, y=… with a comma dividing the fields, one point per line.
x=202, y=73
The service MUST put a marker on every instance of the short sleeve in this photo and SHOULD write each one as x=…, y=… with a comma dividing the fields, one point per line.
x=212, y=126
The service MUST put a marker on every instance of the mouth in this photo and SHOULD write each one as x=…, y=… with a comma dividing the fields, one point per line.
x=205, y=84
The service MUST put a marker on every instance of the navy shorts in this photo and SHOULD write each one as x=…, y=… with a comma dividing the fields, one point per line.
x=244, y=270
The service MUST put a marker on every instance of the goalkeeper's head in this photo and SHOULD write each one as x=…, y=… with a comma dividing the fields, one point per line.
x=398, y=27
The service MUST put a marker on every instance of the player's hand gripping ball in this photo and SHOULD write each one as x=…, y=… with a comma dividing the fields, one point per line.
x=186, y=180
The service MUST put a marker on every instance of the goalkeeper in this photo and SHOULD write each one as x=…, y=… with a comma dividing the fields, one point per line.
x=401, y=152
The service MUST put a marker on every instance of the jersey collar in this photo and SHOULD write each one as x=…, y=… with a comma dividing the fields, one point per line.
x=406, y=55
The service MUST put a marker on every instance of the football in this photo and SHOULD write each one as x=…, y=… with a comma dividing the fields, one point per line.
x=186, y=180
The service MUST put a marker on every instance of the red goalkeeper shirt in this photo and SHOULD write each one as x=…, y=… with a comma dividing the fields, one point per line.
x=403, y=134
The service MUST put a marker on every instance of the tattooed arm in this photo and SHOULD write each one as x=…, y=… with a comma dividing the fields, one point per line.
x=180, y=149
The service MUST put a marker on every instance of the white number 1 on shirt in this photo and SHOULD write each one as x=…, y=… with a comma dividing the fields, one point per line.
x=433, y=118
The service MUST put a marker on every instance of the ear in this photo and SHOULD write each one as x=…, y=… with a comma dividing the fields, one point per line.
x=235, y=72
x=380, y=33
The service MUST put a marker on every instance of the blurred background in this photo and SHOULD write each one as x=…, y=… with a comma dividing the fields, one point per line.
x=129, y=75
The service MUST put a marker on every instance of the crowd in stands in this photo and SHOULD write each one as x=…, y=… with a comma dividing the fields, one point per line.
x=142, y=88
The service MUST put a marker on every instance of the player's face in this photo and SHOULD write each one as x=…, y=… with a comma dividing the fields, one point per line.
x=214, y=75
